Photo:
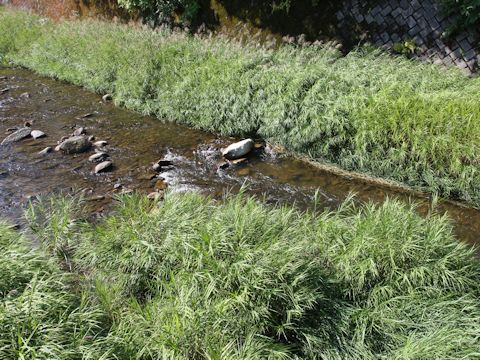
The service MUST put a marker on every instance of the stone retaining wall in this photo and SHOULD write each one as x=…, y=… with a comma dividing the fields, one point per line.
x=416, y=27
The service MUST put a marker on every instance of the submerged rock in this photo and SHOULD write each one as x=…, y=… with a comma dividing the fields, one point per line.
x=103, y=166
x=37, y=134
x=75, y=145
x=45, y=151
x=238, y=150
x=18, y=135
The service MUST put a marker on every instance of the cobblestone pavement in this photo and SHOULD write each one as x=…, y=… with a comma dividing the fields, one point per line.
x=391, y=23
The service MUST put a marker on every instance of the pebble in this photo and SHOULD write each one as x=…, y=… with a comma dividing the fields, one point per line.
x=155, y=196
x=37, y=134
x=100, y=143
x=103, y=166
x=3, y=91
x=87, y=115
x=107, y=97
x=239, y=161
x=91, y=138
x=160, y=185
x=45, y=151
x=27, y=124
x=25, y=95
x=96, y=198
x=98, y=156
x=79, y=131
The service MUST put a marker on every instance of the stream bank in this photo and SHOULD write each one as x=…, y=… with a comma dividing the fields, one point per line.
x=135, y=142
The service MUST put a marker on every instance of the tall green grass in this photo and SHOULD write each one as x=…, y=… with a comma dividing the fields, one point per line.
x=193, y=278
x=367, y=111
x=43, y=315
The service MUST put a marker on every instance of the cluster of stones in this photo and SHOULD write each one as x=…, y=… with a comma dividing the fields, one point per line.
x=77, y=143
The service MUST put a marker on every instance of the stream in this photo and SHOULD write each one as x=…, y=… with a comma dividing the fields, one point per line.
x=136, y=141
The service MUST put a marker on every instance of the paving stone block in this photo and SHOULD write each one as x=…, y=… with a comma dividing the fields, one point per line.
x=465, y=44
x=415, y=4
x=470, y=54
x=447, y=61
x=386, y=10
x=385, y=36
x=414, y=31
x=434, y=24
x=424, y=33
x=461, y=64
x=404, y=4
x=418, y=15
x=376, y=10
x=395, y=37
x=379, y=18
x=395, y=12
x=411, y=22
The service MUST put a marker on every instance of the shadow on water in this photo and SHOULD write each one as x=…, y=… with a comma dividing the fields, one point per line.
x=136, y=141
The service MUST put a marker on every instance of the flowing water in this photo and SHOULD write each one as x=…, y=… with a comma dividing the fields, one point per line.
x=136, y=141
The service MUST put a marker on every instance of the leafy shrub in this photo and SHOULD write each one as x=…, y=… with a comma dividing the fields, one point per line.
x=465, y=12
x=161, y=11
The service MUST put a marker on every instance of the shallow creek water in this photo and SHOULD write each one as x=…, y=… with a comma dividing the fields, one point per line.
x=136, y=141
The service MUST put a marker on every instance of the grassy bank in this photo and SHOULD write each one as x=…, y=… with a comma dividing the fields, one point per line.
x=190, y=278
x=368, y=111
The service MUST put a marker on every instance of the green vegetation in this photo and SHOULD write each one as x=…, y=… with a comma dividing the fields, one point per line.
x=191, y=278
x=370, y=112
x=465, y=12
x=162, y=11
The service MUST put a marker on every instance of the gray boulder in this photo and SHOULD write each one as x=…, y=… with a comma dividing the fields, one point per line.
x=75, y=145
x=238, y=150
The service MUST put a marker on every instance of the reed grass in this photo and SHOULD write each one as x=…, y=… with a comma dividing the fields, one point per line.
x=194, y=278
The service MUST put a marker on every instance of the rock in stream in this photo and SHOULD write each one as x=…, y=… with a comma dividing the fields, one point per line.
x=238, y=150
x=18, y=135
x=75, y=145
